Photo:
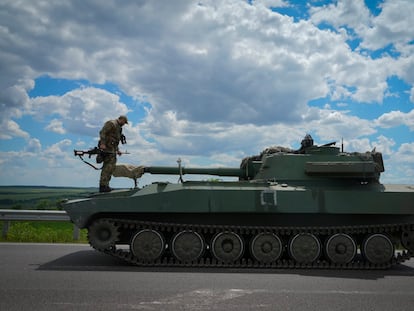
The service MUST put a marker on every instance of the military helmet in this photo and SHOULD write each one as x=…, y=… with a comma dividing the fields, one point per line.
x=123, y=117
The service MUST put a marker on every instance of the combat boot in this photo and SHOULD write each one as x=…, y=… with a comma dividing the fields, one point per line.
x=105, y=189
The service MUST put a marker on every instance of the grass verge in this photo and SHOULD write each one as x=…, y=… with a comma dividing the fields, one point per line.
x=42, y=232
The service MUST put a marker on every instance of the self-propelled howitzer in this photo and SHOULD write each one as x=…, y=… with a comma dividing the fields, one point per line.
x=316, y=207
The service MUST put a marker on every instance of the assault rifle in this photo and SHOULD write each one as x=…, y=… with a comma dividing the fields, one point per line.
x=100, y=154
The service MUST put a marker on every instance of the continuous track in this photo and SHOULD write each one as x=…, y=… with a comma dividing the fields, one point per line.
x=122, y=231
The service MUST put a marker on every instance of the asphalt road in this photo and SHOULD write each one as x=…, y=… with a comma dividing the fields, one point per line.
x=75, y=277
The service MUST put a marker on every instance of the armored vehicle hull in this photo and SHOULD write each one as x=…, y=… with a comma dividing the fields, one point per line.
x=317, y=208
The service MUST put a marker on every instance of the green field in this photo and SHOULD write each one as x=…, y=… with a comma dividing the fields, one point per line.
x=45, y=232
x=38, y=197
x=44, y=198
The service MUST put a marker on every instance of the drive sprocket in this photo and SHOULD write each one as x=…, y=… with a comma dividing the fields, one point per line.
x=103, y=234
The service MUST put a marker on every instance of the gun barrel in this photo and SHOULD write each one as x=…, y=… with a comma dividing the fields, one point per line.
x=219, y=171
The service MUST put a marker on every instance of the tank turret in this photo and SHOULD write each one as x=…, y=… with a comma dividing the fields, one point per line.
x=308, y=164
x=315, y=207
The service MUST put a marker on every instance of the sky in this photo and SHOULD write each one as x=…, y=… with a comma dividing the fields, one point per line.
x=209, y=82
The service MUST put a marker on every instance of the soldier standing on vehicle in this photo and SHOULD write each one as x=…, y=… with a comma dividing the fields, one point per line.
x=109, y=138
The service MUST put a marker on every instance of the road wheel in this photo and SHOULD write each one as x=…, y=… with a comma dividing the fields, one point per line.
x=266, y=247
x=340, y=248
x=227, y=247
x=187, y=246
x=378, y=248
x=304, y=248
x=147, y=245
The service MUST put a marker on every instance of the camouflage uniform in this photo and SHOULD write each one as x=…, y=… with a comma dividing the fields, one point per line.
x=110, y=135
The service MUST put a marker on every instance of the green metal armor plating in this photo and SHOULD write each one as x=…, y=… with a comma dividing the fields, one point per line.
x=316, y=207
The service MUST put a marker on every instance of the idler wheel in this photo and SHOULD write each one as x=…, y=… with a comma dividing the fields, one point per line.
x=103, y=234
x=304, y=248
x=378, y=248
x=266, y=247
x=227, y=247
x=407, y=240
x=187, y=246
x=340, y=248
x=147, y=245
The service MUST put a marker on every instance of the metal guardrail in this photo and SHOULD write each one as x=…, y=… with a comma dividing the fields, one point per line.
x=8, y=215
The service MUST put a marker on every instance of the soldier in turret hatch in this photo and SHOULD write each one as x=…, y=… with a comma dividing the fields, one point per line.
x=109, y=138
x=305, y=143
